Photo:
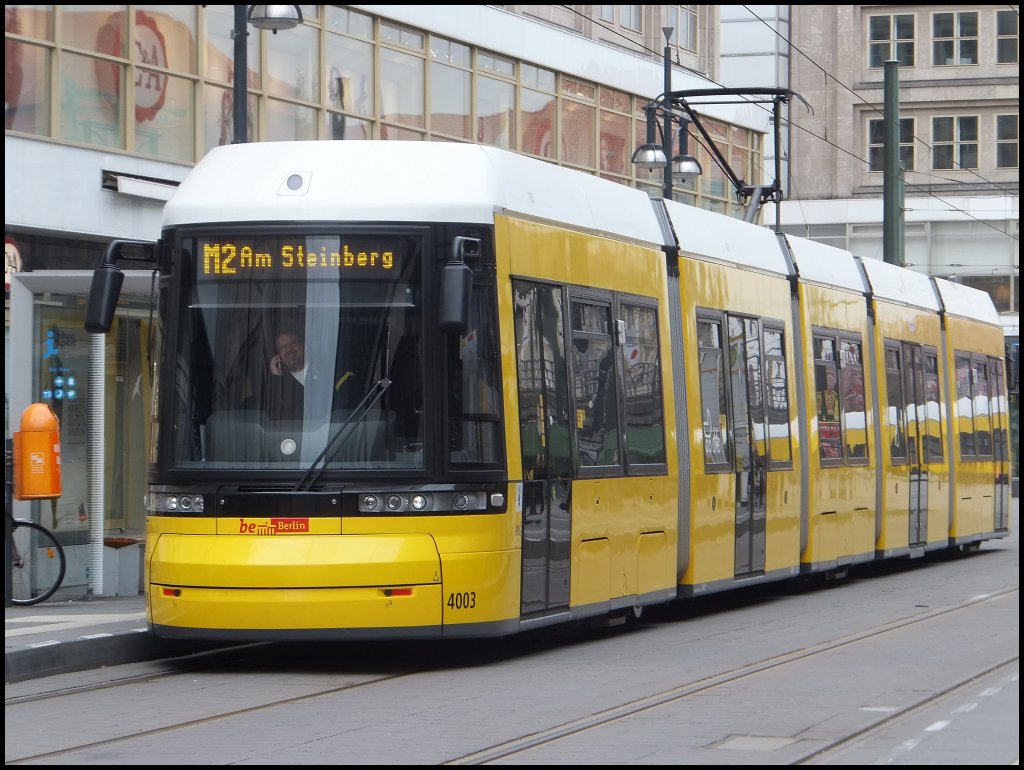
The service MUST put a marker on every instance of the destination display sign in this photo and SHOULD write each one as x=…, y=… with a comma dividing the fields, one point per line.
x=227, y=258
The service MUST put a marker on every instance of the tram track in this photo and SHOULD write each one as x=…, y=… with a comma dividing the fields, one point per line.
x=836, y=747
x=209, y=719
x=523, y=745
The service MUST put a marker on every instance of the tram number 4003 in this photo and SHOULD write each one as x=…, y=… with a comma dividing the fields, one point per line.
x=465, y=600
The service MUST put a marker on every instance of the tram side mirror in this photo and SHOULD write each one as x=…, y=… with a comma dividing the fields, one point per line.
x=457, y=285
x=103, y=296
x=107, y=279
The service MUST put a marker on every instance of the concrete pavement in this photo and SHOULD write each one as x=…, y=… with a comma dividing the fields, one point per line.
x=57, y=637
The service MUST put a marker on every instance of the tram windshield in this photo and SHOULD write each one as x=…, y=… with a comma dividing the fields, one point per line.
x=295, y=350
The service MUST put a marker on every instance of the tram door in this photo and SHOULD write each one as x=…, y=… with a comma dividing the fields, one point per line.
x=747, y=390
x=544, y=439
x=914, y=395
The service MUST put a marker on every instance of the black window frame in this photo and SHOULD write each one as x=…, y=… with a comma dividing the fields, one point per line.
x=821, y=399
x=773, y=326
x=724, y=436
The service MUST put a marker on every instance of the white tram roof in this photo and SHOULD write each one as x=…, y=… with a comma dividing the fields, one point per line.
x=719, y=237
x=898, y=284
x=824, y=264
x=383, y=181
x=966, y=301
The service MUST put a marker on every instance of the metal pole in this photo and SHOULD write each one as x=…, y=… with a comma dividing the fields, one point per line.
x=667, y=140
x=241, y=82
x=96, y=452
x=891, y=206
x=8, y=529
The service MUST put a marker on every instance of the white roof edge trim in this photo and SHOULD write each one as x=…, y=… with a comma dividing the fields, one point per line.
x=967, y=302
x=900, y=285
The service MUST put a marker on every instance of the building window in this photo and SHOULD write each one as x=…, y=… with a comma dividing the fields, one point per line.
x=341, y=74
x=876, y=144
x=495, y=101
x=891, y=37
x=955, y=142
x=577, y=145
x=350, y=75
x=1007, y=141
x=630, y=15
x=537, y=104
x=450, y=92
x=955, y=38
x=683, y=20
x=607, y=13
x=1007, y=36
x=614, y=133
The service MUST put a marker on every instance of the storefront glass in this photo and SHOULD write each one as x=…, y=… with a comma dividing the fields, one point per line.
x=61, y=369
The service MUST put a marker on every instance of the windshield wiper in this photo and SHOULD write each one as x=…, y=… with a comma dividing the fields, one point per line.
x=343, y=434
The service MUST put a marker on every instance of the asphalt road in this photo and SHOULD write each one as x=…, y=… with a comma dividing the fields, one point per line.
x=914, y=664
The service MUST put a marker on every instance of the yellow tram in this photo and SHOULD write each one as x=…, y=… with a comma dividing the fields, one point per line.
x=433, y=390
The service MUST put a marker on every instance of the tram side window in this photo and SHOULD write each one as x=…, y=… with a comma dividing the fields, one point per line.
x=474, y=401
x=851, y=384
x=982, y=419
x=964, y=405
x=895, y=416
x=998, y=401
x=826, y=378
x=594, y=387
x=779, y=447
x=932, y=409
x=543, y=392
x=717, y=447
x=641, y=375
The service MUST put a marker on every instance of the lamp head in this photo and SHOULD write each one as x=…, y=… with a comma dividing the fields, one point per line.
x=275, y=17
x=649, y=157
x=685, y=168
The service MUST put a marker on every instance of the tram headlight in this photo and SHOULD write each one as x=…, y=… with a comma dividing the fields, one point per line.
x=175, y=502
x=430, y=501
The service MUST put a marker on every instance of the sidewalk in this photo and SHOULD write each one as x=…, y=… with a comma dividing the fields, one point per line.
x=57, y=637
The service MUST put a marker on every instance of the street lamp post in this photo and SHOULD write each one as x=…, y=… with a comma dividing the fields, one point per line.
x=651, y=156
x=667, y=139
x=683, y=167
x=272, y=17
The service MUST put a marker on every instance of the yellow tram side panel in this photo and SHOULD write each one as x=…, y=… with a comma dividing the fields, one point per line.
x=624, y=530
x=901, y=323
x=712, y=504
x=974, y=480
x=841, y=503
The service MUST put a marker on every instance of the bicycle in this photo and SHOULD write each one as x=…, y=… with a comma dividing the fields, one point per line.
x=45, y=547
